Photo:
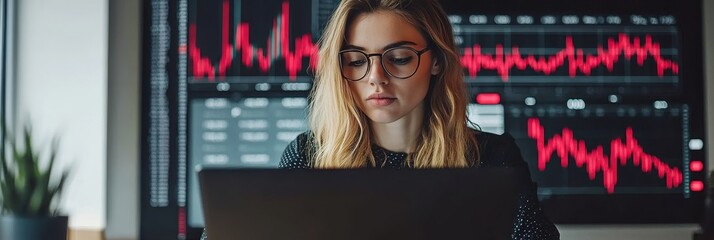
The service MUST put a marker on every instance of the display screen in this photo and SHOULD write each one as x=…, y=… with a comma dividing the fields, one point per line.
x=605, y=103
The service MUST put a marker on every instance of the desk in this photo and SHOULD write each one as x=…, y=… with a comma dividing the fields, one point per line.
x=85, y=234
x=630, y=232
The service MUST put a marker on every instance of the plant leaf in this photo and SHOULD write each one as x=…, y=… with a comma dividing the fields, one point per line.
x=53, y=154
x=26, y=186
x=38, y=197
x=55, y=191
x=31, y=164
x=8, y=187
x=49, y=194
x=22, y=194
x=8, y=202
x=4, y=165
x=18, y=158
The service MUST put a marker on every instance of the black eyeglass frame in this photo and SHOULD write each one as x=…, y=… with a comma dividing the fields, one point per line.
x=381, y=61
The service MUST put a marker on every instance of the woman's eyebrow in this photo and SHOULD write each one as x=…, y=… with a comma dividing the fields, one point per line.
x=391, y=45
x=397, y=44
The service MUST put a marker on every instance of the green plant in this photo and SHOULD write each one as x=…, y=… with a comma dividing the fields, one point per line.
x=27, y=189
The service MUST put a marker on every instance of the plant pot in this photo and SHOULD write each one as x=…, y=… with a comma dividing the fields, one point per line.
x=33, y=228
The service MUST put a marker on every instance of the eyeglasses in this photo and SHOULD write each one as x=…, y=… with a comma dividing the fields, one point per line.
x=398, y=62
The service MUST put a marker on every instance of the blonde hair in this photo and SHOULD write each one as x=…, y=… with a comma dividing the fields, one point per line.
x=341, y=132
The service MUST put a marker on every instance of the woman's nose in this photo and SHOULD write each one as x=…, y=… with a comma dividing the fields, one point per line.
x=377, y=75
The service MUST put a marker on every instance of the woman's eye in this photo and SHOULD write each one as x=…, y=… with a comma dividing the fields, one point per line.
x=401, y=61
x=356, y=63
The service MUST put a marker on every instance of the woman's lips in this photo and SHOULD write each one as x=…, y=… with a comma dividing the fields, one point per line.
x=380, y=99
x=381, y=102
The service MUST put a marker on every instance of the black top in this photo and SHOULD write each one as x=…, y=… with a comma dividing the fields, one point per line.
x=494, y=151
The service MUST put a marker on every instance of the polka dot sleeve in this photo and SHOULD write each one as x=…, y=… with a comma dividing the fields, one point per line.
x=295, y=154
x=530, y=222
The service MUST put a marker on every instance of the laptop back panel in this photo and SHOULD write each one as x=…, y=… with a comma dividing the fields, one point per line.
x=359, y=203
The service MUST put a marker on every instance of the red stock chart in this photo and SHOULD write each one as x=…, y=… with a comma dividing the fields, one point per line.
x=567, y=49
x=606, y=149
x=623, y=151
x=573, y=58
x=255, y=39
x=583, y=95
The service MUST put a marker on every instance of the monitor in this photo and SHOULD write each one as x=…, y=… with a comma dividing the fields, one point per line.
x=605, y=98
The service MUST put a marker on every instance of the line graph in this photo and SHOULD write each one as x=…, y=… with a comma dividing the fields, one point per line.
x=623, y=153
x=277, y=48
x=575, y=59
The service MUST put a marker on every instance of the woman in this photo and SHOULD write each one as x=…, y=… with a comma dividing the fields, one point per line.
x=389, y=93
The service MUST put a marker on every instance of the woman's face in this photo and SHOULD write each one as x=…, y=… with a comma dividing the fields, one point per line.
x=384, y=98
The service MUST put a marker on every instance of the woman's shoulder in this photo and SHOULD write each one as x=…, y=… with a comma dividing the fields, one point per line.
x=498, y=150
x=304, y=138
x=295, y=155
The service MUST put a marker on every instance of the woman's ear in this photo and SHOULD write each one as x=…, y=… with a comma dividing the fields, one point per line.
x=435, y=67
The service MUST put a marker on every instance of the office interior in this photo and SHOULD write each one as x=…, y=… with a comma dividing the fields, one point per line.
x=77, y=69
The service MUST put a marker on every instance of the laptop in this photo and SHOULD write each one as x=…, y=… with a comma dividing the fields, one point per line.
x=475, y=203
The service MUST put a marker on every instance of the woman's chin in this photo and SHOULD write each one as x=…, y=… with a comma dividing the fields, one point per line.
x=383, y=117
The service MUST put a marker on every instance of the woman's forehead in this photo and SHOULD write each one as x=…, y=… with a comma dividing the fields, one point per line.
x=374, y=31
